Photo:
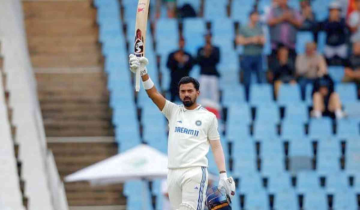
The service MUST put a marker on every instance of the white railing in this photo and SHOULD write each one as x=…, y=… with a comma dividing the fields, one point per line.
x=43, y=186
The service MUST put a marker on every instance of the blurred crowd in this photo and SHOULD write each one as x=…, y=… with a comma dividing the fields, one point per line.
x=284, y=64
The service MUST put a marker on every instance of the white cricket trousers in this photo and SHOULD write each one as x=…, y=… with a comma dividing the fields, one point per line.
x=187, y=188
x=209, y=87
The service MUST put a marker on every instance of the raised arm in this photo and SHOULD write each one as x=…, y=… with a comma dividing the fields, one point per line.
x=139, y=64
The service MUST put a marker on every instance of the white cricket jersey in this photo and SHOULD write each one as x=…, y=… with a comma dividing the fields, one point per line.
x=189, y=134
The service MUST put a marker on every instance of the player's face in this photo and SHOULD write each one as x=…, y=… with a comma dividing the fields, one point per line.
x=188, y=94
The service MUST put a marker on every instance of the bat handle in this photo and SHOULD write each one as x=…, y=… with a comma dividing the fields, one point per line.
x=137, y=81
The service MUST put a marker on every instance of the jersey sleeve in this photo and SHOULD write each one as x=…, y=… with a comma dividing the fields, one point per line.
x=213, y=133
x=169, y=109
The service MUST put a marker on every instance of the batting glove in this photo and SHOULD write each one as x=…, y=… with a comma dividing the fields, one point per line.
x=227, y=184
x=138, y=64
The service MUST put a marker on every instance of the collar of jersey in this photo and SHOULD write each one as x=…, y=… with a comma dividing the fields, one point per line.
x=184, y=109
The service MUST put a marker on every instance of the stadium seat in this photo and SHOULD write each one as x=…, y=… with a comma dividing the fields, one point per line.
x=286, y=200
x=352, y=110
x=347, y=92
x=337, y=182
x=257, y=200
x=215, y=9
x=321, y=41
x=320, y=128
x=303, y=37
x=240, y=10
x=244, y=165
x=327, y=163
x=307, y=182
x=296, y=112
x=279, y=182
x=166, y=28
x=264, y=130
x=223, y=27
x=329, y=147
x=244, y=149
x=352, y=164
x=315, y=200
x=344, y=200
x=291, y=129
x=271, y=148
x=347, y=129
x=268, y=113
x=300, y=147
x=289, y=94
x=234, y=96
x=261, y=94
x=272, y=165
x=250, y=183
x=308, y=94
x=237, y=131
x=356, y=176
x=336, y=73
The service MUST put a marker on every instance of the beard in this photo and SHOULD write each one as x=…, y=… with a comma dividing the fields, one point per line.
x=188, y=102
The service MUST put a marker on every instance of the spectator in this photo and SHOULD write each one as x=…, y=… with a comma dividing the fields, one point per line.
x=180, y=64
x=208, y=57
x=309, y=18
x=284, y=22
x=252, y=37
x=354, y=23
x=326, y=101
x=309, y=67
x=336, y=31
x=352, y=67
x=282, y=70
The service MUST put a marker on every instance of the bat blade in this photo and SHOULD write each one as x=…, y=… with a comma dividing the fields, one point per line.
x=140, y=34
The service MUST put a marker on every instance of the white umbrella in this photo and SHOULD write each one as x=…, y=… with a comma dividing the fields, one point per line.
x=141, y=162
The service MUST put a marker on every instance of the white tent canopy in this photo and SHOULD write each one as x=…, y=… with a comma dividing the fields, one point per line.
x=141, y=162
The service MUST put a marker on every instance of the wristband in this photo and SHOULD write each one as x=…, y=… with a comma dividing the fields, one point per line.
x=148, y=84
x=223, y=176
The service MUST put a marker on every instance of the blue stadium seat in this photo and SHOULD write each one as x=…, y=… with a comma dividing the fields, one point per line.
x=233, y=96
x=296, y=112
x=315, y=200
x=250, y=183
x=320, y=128
x=215, y=9
x=261, y=94
x=336, y=73
x=113, y=45
x=223, y=27
x=264, y=130
x=272, y=165
x=303, y=37
x=109, y=30
x=108, y=14
x=347, y=129
x=240, y=10
x=308, y=94
x=307, y=182
x=271, y=148
x=286, y=200
x=300, y=147
x=106, y=3
x=268, y=113
x=289, y=94
x=356, y=176
x=235, y=202
x=130, y=10
x=244, y=149
x=337, y=182
x=352, y=110
x=278, y=183
x=244, y=165
x=237, y=131
x=239, y=114
x=347, y=92
x=194, y=26
x=327, y=163
x=329, y=147
x=344, y=200
x=132, y=188
x=352, y=164
x=292, y=130
x=257, y=200
x=225, y=43
x=166, y=28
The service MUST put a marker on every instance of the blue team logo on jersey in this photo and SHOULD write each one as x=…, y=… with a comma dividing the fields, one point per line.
x=198, y=122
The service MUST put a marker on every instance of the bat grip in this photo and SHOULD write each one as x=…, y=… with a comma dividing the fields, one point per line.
x=137, y=81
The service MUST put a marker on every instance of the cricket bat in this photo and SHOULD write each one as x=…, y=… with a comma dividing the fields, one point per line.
x=140, y=34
